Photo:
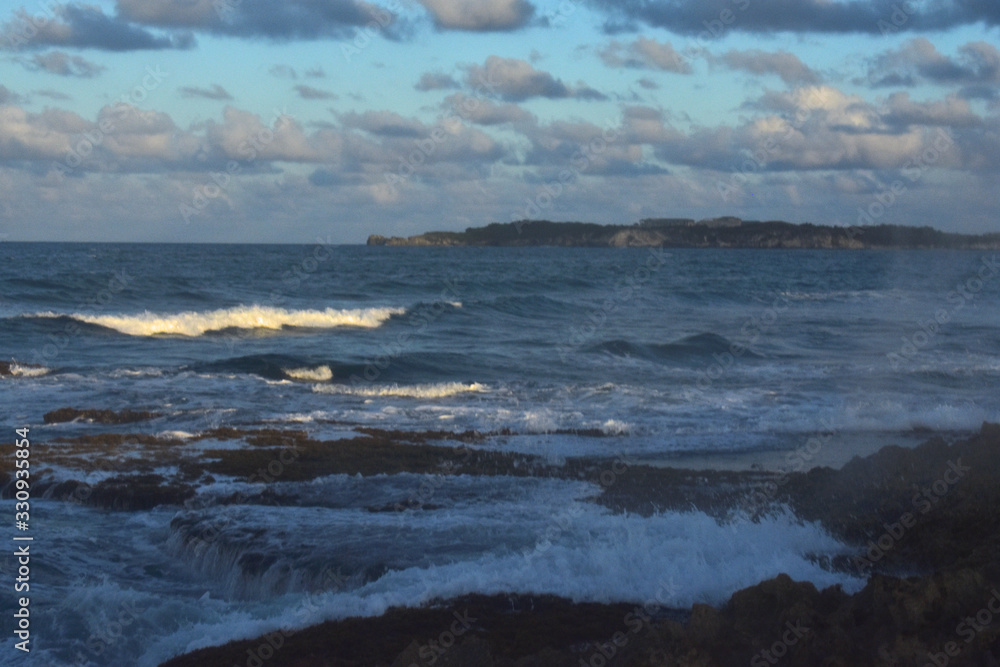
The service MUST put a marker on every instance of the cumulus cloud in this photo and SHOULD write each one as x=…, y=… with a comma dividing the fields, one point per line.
x=27, y=136
x=479, y=15
x=215, y=92
x=820, y=127
x=786, y=65
x=516, y=80
x=63, y=64
x=243, y=135
x=585, y=148
x=484, y=112
x=645, y=53
x=950, y=112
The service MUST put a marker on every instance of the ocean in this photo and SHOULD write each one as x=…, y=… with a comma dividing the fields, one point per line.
x=662, y=357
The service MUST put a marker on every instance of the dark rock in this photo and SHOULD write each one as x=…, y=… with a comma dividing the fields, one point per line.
x=98, y=416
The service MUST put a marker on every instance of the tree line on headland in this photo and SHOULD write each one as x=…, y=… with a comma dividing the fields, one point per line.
x=726, y=232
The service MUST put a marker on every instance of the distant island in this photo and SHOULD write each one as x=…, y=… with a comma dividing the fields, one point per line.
x=725, y=232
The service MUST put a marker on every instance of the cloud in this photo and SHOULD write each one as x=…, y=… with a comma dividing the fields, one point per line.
x=919, y=60
x=822, y=128
x=646, y=125
x=951, y=112
x=479, y=15
x=315, y=73
x=52, y=94
x=384, y=123
x=516, y=80
x=86, y=26
x=980, y=92
x=63, y=64
x=585, y=148
x=645, y=53
x=709, y=19
x=435, y=81
x=289, y=19
x=124, y=139
x=324, y=178
x=310, y=93
x=648, y=84
x=283, y=72
x=782, y=63
x=216, y=92
x=243, y=135
x=585, y=92
x=27, y=136
x=484, y=112
x=7, y=96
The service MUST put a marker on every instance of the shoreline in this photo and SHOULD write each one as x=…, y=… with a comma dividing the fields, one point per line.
x=891, y=621
x=922, y=522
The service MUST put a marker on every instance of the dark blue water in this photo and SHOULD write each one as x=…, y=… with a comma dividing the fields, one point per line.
x=676, y=355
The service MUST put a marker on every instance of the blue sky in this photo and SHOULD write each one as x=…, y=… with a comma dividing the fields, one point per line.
x=256, y=120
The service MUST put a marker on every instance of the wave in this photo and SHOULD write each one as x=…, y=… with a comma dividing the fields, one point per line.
x=674, y=560
x=280, y=367
x=15, y=369
x=193, y=323
x=435, y=390
x=685, y=349
x=317, y=374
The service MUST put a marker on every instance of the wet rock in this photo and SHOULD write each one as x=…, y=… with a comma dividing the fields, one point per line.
x=98, y=416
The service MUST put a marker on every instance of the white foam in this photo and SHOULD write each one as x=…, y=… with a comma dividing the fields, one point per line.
x=193, y=323
x=136, y=372
x=17, y=370
x=318, y=374
x=433, y=390
x=540, y=421
x=673, y=559
x=616, y=427
x=174, y=435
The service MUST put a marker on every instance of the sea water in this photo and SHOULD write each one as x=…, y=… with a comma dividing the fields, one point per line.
x=673, y=356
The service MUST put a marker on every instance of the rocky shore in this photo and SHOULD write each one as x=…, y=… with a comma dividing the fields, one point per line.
x=924, y=524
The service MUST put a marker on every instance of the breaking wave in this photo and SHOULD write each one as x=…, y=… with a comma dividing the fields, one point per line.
x=15, y=369
x=318, y=374
x=193, y=323
x=435, y=390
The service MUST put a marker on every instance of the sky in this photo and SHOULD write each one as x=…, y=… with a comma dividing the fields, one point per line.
x=308, y=120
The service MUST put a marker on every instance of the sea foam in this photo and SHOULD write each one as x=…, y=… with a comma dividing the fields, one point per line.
x=193, y=323
x=432, y=390
x=671, y=560
x=318, y=374
x=18, y=370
